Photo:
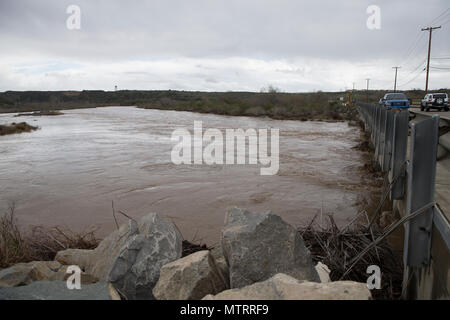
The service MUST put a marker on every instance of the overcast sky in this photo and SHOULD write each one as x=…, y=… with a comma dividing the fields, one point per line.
x=221, y=45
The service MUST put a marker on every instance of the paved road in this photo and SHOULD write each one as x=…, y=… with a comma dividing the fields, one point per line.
x=442, y=191
x=442, y=114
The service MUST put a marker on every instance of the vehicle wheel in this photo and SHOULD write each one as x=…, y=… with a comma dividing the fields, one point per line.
x=427, y=110
x=421, y=108
x=446, y=108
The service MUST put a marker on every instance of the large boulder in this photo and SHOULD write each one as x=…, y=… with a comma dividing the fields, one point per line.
x=131, y=257
x=104, y=256
x=78, y=257
x=57, y=290
x=284, y=287
x=25, y=273
x=260, y=245
x=190, y=278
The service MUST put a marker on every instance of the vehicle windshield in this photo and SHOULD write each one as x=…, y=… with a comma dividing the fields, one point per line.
x=395, y=96
x=440, y=95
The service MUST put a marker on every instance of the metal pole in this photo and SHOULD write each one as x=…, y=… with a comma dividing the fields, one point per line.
x=430, y=29
x=395, y=82
x=367, y=95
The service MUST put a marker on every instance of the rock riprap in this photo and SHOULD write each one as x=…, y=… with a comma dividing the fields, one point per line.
x=57, y=290
x=25, y=273
x=257, y=246
x=130, y=258
x=190, y=278
x=79, y=257
x=284, y=287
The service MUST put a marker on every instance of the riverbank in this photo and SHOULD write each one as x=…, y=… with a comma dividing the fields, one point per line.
x=23, y=244
x=280, y=106
x=40, y=113
x=320, y=106
x=271, y=103
x=144, y=259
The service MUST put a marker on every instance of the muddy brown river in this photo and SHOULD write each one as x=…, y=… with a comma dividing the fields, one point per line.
x=70, y=170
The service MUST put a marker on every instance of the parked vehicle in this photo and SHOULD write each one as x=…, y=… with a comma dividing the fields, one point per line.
x=395, y=101
x=435, y=101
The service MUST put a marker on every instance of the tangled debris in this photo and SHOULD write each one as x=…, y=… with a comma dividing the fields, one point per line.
x=337, y=247
x=40, y=243
x=190, y=247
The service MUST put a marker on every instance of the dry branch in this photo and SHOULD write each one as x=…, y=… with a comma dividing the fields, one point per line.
x=337, y=248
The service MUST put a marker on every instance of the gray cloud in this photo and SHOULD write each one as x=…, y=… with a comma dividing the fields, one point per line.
x=300, y=45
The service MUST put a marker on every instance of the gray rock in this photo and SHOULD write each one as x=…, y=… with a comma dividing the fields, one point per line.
x=57, y=290
x=85, y=278
x=105, y=255
x=257, y=246
x=221, y=264
x=323, y=271
x=131, y=257
x=189, y=278
x=26, y=273
x=284, y=287
x=78, y=257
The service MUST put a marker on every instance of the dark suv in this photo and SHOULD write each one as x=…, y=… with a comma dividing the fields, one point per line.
x=435, y=101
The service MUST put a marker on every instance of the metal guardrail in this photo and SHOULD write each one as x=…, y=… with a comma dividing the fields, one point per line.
x=444, y=126
x=413, y=180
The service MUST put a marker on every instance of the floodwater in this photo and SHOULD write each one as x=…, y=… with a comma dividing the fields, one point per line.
x=69, y=171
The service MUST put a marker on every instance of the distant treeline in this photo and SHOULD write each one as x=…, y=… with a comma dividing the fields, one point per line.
x=316, y=105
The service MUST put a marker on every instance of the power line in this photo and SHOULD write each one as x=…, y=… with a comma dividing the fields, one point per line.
x=413, y=73
x=410, y=79
x=404, y=84
x=447, y=21
x=412, y=48
x=444, y=13
x=416, y=68
x=420, y=35
x=415, y=53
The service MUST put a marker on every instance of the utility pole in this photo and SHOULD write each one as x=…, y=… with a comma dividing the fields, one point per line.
x=395, y=81
x=367, y=92
x=429, y=51
x=351, y=95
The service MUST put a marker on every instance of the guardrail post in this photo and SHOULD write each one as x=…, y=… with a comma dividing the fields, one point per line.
x=399, y=147
x=374, y=127
x=381, y=140
x=420, y=192
x=372, y=120
x=377, y=137
x=388, y=137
